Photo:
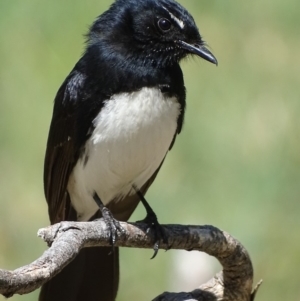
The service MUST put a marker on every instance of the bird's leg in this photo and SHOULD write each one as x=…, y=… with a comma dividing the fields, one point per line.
x=152, y=222
x=113, y=225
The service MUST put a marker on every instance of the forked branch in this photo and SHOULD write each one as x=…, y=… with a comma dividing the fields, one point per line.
x=66, y=239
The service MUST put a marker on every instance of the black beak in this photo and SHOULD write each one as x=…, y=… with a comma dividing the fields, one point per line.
x=199, y=50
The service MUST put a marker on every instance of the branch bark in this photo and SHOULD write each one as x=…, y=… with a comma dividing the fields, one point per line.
x=66, y=239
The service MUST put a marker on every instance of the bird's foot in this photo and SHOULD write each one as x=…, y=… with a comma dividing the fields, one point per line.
x=153, y=224
x=158, y=230
x=113, y=225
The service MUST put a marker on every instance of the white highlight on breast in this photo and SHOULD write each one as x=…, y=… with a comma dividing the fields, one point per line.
x=178, y=21
x=131, y=137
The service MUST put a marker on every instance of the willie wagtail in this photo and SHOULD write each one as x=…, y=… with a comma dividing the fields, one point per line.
x=115, y=118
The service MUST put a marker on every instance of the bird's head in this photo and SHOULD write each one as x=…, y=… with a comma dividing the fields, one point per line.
x=161, y=32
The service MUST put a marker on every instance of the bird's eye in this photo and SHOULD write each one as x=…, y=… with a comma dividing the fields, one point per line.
x=164, y=24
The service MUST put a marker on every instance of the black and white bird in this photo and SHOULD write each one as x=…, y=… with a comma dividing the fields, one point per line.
x=115, y=118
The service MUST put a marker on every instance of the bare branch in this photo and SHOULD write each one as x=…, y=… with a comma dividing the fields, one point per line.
x=66, y=239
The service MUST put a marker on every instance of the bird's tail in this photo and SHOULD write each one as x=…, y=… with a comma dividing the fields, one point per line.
x=92, y=276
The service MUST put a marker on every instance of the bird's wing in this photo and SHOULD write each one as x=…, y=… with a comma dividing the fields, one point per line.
x=61, y=154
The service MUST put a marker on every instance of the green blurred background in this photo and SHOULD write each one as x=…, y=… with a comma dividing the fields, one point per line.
x=236, y=164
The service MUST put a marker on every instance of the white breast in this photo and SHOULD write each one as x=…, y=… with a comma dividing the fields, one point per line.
x=131, y=136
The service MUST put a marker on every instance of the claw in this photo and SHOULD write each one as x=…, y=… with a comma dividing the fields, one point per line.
x=152, y=222
x=112, y=224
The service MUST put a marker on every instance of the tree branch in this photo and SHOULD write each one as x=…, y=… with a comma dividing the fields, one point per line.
x=66, y=239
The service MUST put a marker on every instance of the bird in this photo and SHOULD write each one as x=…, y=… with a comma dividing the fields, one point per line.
x=115, y=118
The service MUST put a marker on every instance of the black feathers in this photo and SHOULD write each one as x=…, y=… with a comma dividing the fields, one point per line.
x=131, y=31
x=135, y=44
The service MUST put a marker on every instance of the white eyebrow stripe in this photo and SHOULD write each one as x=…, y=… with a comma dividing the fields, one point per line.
x=178, y=21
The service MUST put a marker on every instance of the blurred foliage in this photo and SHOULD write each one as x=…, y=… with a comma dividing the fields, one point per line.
x=236, y=164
